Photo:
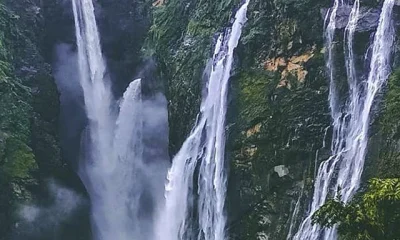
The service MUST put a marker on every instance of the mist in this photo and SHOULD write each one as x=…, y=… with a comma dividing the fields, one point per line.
x=72, y=114
x=125, y=182
x=52, y=219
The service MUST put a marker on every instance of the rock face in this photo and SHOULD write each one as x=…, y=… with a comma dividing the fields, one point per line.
x=278, y=103
x=123, y=28
x=278, y=113
x=29, y=150
x=29, y=124
x=368, y=21
x=384, y=159
x=180, y=39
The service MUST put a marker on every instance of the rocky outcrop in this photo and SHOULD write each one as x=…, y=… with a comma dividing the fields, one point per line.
x=294, y=66
x=123, y=28
x=368, y=21
x=158, y=3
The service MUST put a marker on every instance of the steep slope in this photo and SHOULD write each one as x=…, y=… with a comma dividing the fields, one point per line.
x=29, y=150
x=278, y=112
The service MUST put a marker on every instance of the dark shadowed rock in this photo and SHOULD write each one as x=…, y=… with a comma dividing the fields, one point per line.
x=368, y=21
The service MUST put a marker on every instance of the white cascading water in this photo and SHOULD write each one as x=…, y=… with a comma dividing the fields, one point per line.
x=113, y=169
x=98, y=98
x=330, y=22
x=350, y=126
x=205, y=147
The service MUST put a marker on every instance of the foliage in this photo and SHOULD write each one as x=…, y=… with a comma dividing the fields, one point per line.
x=28, y=108
x=181, y=39
x=256, y=88
x=275, y=126
x=290, y=27
x=388, y=164
x=390, y=123
x=19, y=161
x=373, y=215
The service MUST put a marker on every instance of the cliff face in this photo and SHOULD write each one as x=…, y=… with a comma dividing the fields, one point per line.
x=282, y=115
x=31, y=158
x=29, y=150
x=278, y=115
x=181, y=39
x=278, y=102
x=278, y=130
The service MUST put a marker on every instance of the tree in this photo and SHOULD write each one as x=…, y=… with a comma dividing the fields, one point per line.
x=373, y=215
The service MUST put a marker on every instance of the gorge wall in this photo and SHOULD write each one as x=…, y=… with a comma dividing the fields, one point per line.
x=278, y=116
x=278, y=105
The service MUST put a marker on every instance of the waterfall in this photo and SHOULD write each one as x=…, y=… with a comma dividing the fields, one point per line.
x=203, y=150
x=98, y=98
x=119, y=167
x=98, y=104
x=350, y=126
x=329, y=36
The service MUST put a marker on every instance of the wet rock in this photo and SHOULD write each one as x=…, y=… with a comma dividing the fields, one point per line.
x=281, y=170
x=369, y=18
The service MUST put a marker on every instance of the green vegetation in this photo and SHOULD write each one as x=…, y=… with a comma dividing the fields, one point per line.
x=28, y=110
x=274, y=118
x=181, y=38
x=373, y=215
x=19, y=161
x=16, y=158
x=388, y=163
x=391, y=107
x=274, y=126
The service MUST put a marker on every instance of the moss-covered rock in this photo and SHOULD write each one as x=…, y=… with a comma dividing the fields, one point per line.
x=387, y=135
x=181, y=39
x=28, y=109
x=278, y=112
x=18, y=160
x=280, y=124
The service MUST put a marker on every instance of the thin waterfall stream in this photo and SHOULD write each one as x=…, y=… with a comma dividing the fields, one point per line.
x=204, y=148
x=344, y=168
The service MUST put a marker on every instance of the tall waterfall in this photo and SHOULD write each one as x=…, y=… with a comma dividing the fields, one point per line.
x=329, y=35
x=204, y=150
x=122, y=185
x=98, y=98
x=350, y=122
